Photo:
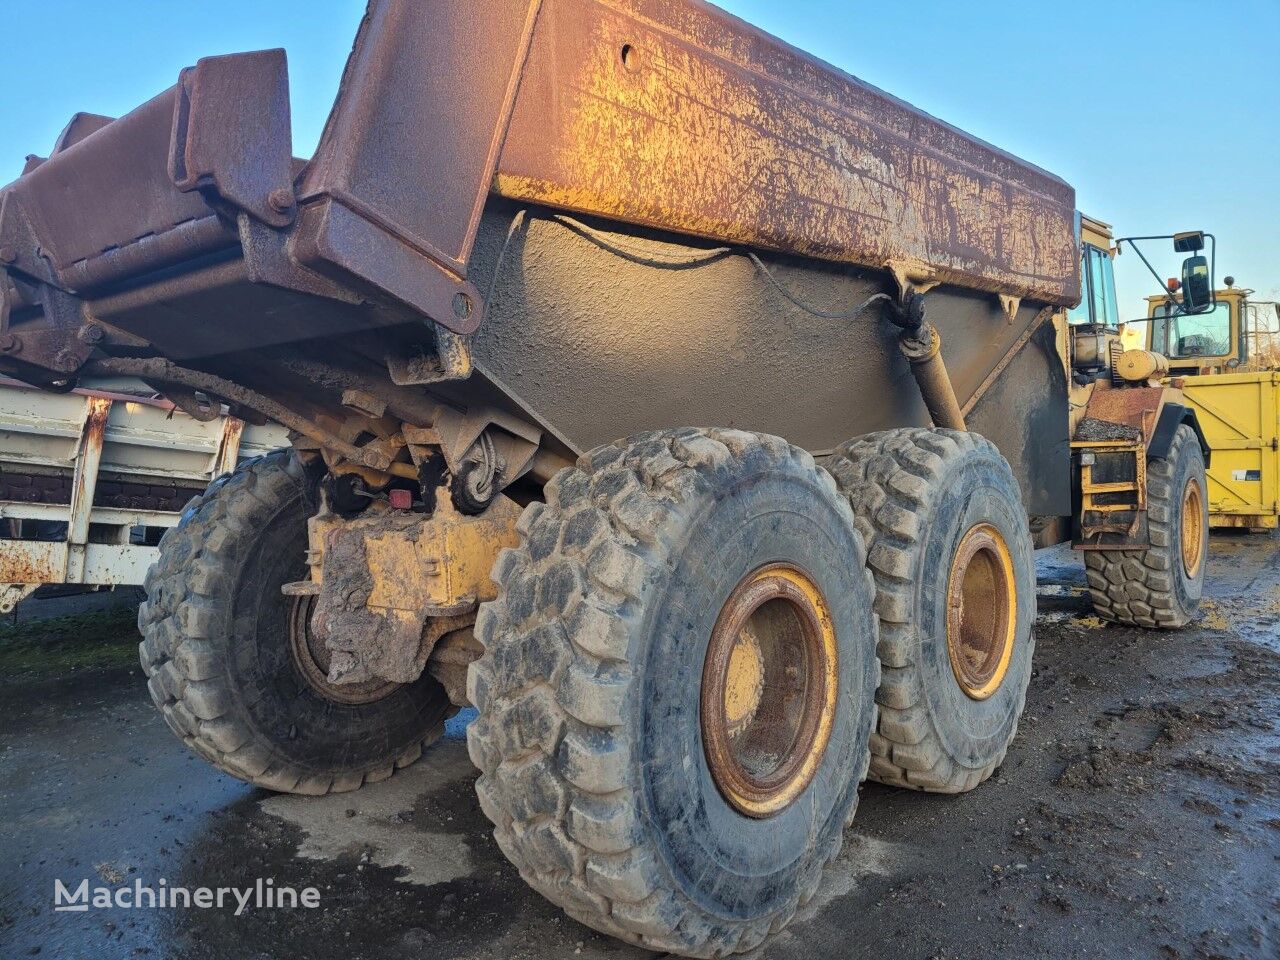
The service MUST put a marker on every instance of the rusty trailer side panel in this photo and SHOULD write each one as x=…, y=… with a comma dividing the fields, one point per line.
x=86, y=475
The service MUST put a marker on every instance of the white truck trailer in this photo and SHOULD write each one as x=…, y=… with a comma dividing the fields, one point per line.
x=90, y=479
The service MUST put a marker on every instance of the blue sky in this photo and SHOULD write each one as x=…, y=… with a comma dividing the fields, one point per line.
x=1164, y=114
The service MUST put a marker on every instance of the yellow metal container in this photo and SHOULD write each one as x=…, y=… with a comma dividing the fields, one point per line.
x=1240, y=416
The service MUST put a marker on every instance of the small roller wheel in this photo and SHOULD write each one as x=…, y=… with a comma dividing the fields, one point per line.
x=677, y=688
x=233, y=665
x=955, y=592
x=1161, y=586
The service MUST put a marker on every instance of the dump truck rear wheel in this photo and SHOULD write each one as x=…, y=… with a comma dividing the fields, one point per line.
x=1161, y=586
x=955, y=593
x=229, y=661
x=683, y=602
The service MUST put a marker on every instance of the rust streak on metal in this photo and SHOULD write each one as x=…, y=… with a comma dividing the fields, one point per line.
x=715, y=129
x=228, y=454
x=19, y=563
x=85, y=482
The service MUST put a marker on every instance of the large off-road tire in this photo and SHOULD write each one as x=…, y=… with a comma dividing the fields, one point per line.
x=950, y=548
x=1160, y=586
x=219, y=653
x=600, y=700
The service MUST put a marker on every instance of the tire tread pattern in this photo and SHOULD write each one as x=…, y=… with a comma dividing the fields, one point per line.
x=886, y=477
x=181, y=620
x=1138, y=589
x=553, y=685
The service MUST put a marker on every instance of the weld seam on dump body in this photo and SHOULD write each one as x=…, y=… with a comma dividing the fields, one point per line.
x=183, y=242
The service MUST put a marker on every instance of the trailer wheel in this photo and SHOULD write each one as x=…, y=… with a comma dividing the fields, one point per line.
x=1160, y=587
x=234, y=669
x=677, y=688
x=955, y=582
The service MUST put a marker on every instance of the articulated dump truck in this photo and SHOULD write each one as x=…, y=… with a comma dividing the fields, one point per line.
x=829, y=330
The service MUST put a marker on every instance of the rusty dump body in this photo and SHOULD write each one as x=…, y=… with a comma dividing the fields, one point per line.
x=526, y=225
x=532, y=228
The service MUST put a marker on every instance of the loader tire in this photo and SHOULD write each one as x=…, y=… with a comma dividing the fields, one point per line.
x=1160, y=587
x=599, y=687
x=946, y=531
x=220, y=660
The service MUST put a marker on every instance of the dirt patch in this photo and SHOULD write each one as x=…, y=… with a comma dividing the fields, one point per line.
x=59, y=646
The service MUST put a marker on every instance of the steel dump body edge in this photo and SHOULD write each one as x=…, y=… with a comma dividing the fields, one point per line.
x=434, y=206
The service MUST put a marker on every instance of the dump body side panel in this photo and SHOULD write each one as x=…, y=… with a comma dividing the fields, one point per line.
x=612, y=333
x=678, y=115
x=1240, y=416
x=706, y=126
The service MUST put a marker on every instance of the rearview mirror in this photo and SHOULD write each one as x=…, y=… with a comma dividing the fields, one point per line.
x=1189, y=241
x=1197, y=284
x=1197, y=270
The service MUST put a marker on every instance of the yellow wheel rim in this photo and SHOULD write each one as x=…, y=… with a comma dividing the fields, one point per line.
x=1192, y=527
x=769, y=687
x=982, y=611
x=311, y=657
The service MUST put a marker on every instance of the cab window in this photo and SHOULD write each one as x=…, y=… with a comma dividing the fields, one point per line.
x=1104, y=288
x=1182, y=337
x=1098, y=289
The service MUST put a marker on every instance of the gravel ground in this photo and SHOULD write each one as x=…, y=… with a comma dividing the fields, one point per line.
x=1138, y=815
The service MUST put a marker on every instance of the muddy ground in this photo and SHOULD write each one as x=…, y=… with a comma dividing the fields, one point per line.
x=1138, y=815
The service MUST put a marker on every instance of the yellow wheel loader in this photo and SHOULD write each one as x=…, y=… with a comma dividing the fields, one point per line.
x=1139, y=454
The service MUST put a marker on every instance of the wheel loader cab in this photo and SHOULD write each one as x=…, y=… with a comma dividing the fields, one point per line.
x=1097, y=277
x=1199, y=343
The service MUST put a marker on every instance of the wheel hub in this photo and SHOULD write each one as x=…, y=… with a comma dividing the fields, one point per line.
x=1192, y=527
x=981, y=611
x=769, y=687
x=312, y=656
